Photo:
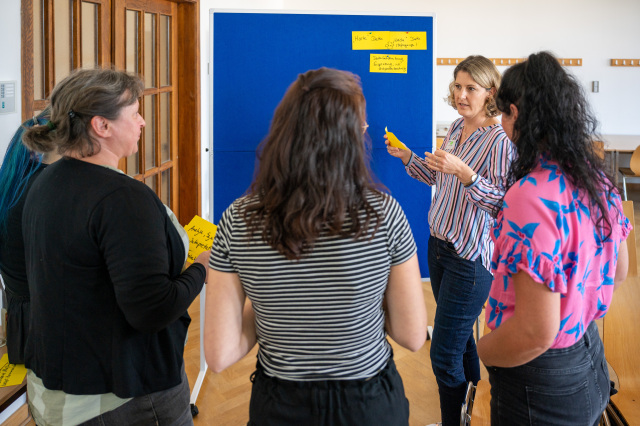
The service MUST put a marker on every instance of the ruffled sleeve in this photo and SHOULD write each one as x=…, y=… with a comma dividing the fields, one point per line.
x=514, y=255
x=528, y=237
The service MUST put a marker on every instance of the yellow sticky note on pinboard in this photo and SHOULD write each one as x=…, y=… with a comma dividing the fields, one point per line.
x=394, y=141
x=11, y=374
x=201, y=233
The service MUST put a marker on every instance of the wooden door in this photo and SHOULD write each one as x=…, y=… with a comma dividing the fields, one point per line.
x=57, y=37
x=140, y=36
x=144, y=43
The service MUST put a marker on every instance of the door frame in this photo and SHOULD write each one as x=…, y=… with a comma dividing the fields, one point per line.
x=189, y=92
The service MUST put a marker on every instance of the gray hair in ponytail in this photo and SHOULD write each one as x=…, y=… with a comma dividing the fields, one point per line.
x=84, y=94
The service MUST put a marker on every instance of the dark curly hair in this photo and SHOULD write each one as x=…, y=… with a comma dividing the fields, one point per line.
x=554, y=119
x=313, y=174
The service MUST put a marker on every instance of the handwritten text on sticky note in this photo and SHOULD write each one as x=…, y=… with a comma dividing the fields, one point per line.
x=201, y=233
x=389, y=40
x=11, y=374
x=388, y=63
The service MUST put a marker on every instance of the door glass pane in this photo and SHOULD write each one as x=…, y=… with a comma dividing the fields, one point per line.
x=149, y=132
x=152, y=183
x=165, y=127
x=149, y=50
x=166, y=187
x=38, y=53
x=165, y=50
x=131, y=42
x=62, y=34
x=89, y=40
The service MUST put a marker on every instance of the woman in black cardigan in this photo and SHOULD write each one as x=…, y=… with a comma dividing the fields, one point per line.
x=104, y=262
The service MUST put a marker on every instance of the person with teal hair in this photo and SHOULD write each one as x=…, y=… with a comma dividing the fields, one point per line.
x=20, y=168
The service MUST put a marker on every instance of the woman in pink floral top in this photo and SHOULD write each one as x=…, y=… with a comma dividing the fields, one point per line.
x=559, y=254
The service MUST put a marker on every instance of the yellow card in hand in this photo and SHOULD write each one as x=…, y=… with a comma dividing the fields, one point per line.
x=394, y=141
x=201, y=233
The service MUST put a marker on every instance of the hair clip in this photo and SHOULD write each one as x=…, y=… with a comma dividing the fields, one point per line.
x=72, y=113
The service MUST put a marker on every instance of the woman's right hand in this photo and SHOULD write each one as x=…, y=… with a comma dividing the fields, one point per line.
x=403, y=154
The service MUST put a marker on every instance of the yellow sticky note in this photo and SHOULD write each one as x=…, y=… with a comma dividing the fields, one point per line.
x=394, y=141
x=201, y=233
x=388, y=40
x=369, y=40
x=396, y=64
x=11, y=374
x=407, y=40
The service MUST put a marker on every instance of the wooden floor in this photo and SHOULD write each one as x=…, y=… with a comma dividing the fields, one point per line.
x=224, y=398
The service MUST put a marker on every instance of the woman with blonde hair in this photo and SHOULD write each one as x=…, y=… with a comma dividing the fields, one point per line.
x=468, y=172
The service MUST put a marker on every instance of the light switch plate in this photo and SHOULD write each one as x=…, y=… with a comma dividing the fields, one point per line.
x=7, y=97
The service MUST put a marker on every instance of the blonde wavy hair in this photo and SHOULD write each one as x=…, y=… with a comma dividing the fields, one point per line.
x=483, y=72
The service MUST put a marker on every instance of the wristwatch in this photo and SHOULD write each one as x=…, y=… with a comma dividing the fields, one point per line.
x=474, y=177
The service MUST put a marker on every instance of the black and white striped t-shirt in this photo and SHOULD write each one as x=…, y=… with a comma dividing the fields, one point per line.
x=319, y=318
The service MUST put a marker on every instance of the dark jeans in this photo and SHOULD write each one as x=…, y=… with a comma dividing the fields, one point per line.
x=460, y=288
x=568, y=386
x=168, y=407
x=379, y=400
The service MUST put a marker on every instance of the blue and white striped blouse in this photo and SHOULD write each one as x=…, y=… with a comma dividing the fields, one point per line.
x=463, y=215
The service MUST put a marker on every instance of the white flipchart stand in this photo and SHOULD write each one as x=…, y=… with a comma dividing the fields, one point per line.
x=203, y=361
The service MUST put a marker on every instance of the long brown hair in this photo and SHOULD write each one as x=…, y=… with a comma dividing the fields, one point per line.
x=313, y=173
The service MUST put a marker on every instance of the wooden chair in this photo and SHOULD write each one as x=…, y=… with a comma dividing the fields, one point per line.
x=631, y=172
x=622, y=345
x=481, y=414
x=621, y=335
x=627, y=207
x=599, y=148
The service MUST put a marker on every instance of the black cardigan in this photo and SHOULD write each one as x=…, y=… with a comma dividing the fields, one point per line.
x=108, y=299
x=12, y=267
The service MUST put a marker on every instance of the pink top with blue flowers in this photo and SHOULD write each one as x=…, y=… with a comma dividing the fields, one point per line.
x=545, y=229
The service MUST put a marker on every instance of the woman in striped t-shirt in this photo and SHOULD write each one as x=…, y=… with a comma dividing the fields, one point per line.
x=317, y=265
x=468, y=172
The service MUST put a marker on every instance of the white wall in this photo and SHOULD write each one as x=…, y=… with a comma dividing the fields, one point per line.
x=10, y=68
x=593, y=30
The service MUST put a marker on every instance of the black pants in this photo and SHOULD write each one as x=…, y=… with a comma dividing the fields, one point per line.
x=379, y=400
x=169, y=407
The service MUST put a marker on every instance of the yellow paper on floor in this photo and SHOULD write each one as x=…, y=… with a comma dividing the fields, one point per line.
x=394, y=141
x=11, y=374
x=201, y=233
